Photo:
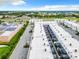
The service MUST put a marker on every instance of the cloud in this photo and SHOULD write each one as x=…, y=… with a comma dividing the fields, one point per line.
x=18, y=2
x=12, y=2
x=57, y=8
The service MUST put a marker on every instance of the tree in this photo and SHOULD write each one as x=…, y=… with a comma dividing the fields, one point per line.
x=4, y=57
x=0, y=21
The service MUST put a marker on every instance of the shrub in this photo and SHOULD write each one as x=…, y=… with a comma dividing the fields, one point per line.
x=77, y=33
x=26, y=46
x=4, y=57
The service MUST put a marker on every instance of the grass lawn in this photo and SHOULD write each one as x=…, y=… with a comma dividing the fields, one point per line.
x=76, y=19
x=53, y=18
x=4, y=51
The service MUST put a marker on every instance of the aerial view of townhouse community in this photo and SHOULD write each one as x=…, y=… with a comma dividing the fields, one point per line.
x=39, y=29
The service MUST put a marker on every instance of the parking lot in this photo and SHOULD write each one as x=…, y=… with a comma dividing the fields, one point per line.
x=57, y=50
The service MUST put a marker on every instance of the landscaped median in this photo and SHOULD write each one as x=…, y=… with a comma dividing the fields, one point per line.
x=5, y=52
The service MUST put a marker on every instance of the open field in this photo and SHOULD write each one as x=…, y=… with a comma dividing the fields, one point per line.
x=76, y=19
x=52, y=18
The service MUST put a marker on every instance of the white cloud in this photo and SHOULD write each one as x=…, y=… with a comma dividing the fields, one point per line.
x=12, y=2
x=18, y=2
x=57, y=8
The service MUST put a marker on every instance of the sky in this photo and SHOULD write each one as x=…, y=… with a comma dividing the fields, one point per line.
x=7, y=5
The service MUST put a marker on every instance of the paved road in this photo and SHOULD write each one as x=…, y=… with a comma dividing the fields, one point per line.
x=20, y=52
